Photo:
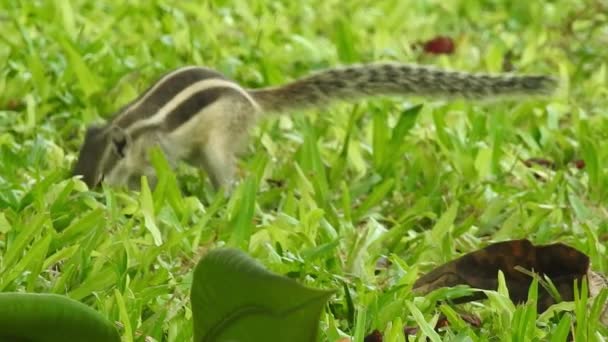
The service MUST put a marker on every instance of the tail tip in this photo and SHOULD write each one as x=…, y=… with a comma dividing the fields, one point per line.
x=543, y=85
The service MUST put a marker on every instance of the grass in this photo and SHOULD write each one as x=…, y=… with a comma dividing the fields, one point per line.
x=324, y=195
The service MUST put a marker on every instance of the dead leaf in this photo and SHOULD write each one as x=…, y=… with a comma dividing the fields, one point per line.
x=439, y=45
x=479, y=269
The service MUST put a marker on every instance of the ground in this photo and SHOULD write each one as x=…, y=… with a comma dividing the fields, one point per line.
x=324, y=195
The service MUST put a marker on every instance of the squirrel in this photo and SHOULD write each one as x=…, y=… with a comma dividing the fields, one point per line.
x=198, y=115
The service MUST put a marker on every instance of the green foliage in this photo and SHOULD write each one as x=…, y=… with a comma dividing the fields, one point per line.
x=51, y=318
x=235, y=299
x=324, y=195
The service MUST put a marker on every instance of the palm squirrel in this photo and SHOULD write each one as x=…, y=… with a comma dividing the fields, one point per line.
x=198, y=115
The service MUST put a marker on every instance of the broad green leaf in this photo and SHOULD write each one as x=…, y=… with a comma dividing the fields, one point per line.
x=50, y=318
x=235, y=299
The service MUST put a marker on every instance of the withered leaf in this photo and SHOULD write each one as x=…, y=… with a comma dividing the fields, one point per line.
x=479, y=269
x=439, y=45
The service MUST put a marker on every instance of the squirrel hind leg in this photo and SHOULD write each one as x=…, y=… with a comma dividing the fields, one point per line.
x=227, y=128
x=218, y=159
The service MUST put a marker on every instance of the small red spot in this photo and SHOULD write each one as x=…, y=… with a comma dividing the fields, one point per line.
x=579, y=164
x=439, y=45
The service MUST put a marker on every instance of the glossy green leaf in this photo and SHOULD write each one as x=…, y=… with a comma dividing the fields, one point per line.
x=234, y=298
x=50, y=318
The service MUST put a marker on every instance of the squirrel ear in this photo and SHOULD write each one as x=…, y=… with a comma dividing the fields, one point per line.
x=93, y=131
x=120, y=139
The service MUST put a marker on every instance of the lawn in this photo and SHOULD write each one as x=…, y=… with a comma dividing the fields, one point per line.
x=336, y=198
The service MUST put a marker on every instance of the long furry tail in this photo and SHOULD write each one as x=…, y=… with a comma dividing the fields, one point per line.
x=379, y=79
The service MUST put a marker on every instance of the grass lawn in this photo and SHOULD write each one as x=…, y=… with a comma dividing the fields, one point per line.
x=325, y=195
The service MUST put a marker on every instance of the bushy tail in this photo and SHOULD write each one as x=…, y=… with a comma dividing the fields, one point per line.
x=365, y=80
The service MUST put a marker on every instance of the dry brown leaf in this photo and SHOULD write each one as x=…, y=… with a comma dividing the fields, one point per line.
x=439, y=45
x=479, y=269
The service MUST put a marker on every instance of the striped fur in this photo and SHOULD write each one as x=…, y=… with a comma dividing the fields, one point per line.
x=367, y=80
x=198, y=115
